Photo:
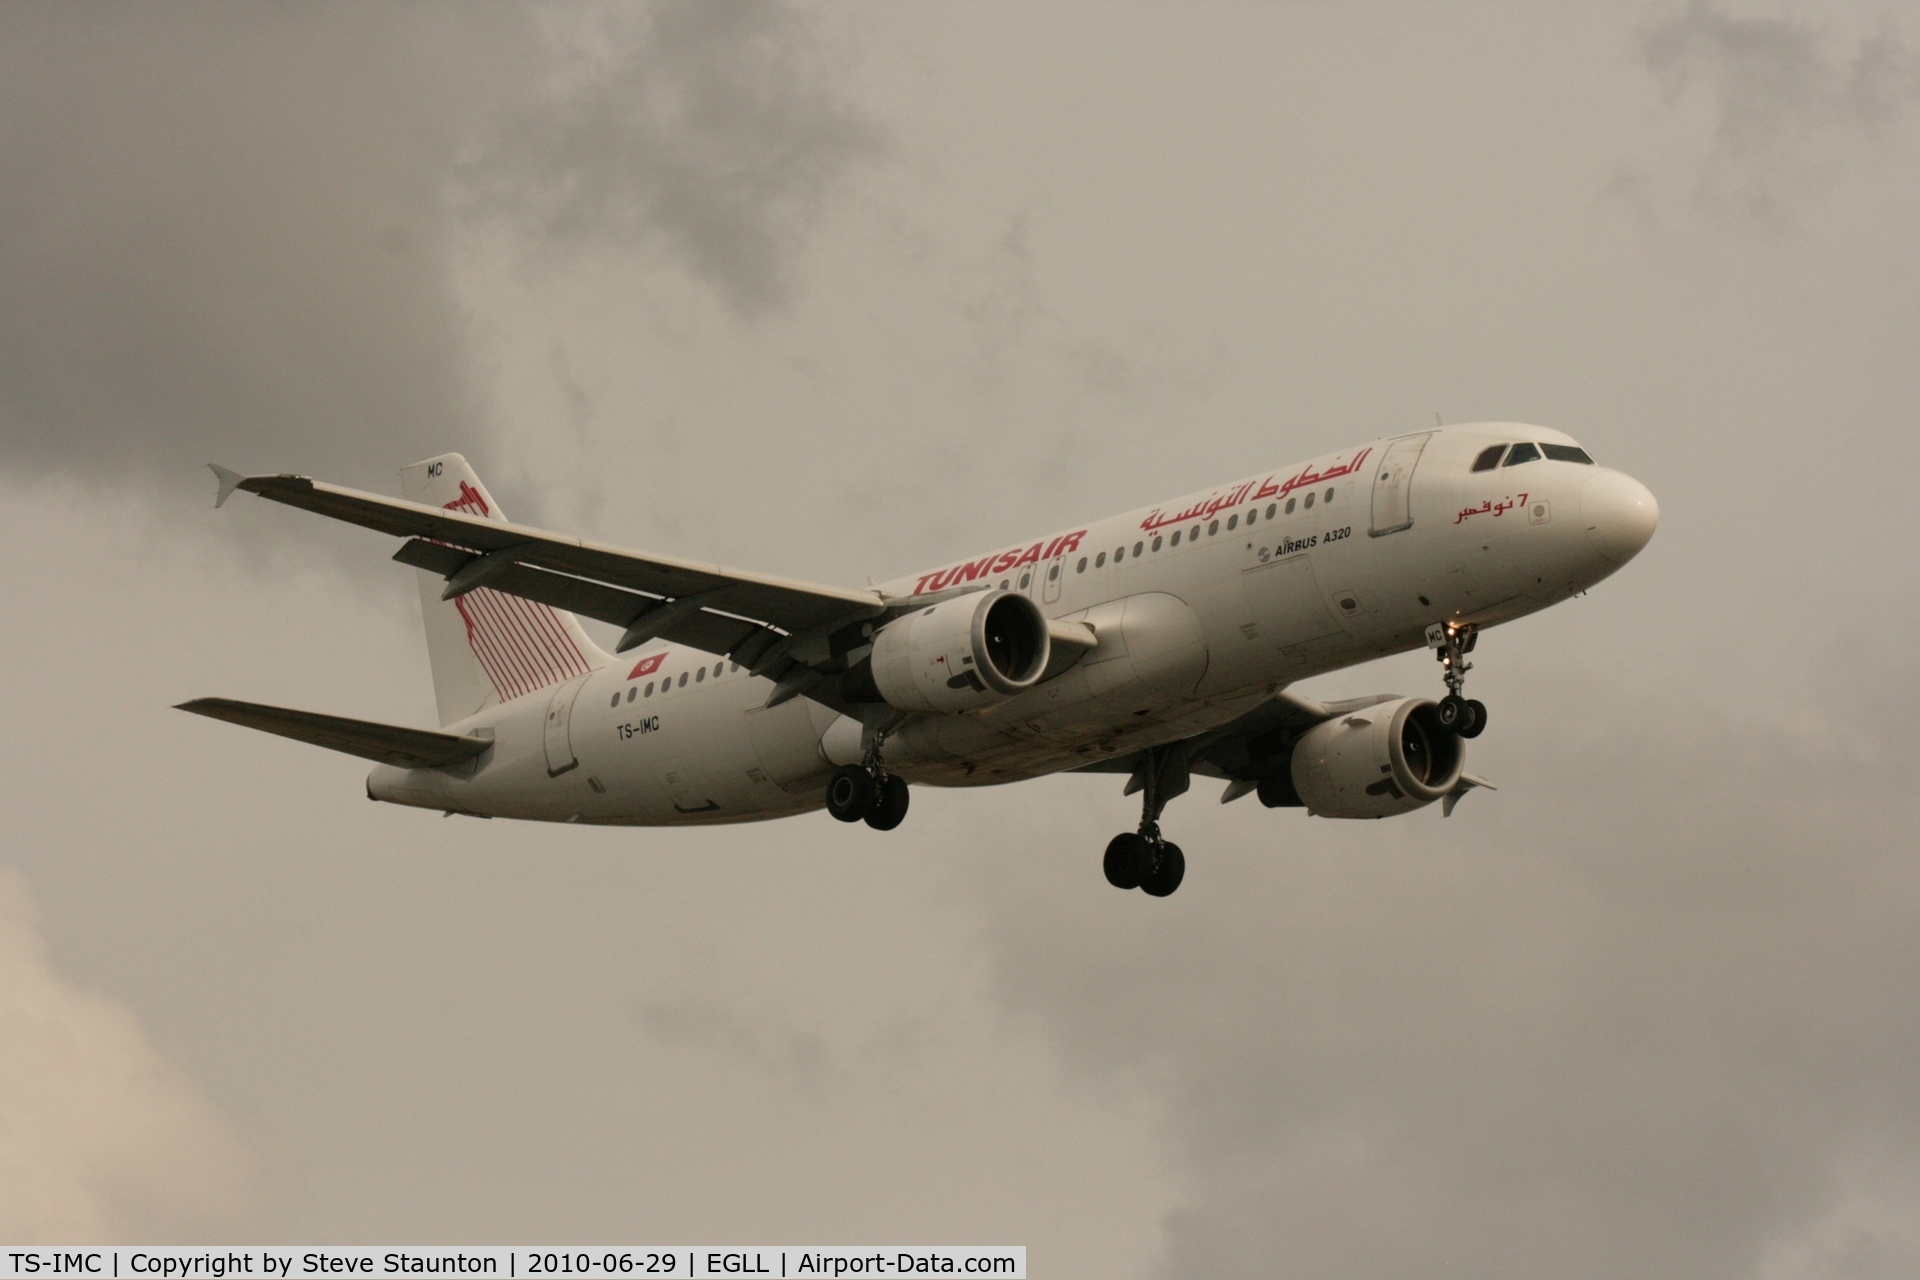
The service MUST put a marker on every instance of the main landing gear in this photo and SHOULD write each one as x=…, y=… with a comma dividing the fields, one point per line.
x=1451, y=643
x=1147, y=860
x=866, y=791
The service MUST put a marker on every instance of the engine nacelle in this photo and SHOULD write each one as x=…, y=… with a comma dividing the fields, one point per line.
x=1385, y=759
x=961, y=654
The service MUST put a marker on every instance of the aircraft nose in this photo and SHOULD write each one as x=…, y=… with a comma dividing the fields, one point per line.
x=1620, y=514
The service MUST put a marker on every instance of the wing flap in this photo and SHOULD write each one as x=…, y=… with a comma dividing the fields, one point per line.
x=385, y=743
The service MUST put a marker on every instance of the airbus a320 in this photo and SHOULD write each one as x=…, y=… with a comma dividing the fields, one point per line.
x=1154, y=645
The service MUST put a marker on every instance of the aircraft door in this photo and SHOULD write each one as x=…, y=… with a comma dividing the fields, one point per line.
x=559, y=727
x=1393, y=485
x=1056, y=572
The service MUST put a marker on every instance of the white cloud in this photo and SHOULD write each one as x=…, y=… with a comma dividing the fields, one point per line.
x=102, y=1137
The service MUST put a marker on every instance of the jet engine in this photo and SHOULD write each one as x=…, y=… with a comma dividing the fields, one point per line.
x=968, y=652
x=1389, y=758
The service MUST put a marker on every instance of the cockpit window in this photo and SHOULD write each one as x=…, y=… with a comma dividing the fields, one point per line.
x=1523, y=452
x=1489, y=457
x=1567, y=453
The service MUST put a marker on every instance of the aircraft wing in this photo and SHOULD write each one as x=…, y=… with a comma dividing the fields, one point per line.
x=750, y=617
x=1237, y=749
x=388, y=744
x=1244, y=749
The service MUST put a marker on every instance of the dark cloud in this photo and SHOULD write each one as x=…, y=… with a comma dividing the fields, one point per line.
x=1781, y=103
x=222, y=234
x=230, y=232
x=714, y=130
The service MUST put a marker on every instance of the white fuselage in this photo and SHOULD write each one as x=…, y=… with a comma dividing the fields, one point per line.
x=1281, y=576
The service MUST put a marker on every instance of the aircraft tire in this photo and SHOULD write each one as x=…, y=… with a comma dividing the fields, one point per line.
x=1165, y=878
x=1128, y=858
x=890, y=808
x=1479, y=720
x=851, y=793
x=1454, y=714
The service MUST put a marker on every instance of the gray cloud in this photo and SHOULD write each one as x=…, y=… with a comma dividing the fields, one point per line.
x=1628, y=1018
x=228, y=232
x=717, y=131
x=1783, y=108
x=222, y=236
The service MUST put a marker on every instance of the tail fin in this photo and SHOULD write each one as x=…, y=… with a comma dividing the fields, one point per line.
x=486, y=647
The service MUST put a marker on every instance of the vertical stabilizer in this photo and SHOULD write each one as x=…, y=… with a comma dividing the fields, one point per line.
x=486, y=647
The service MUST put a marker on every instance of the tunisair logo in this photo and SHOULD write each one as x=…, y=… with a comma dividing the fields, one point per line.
x=470, y=502
x=999, y=562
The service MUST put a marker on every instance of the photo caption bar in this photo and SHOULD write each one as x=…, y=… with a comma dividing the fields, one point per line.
x=511, y=1262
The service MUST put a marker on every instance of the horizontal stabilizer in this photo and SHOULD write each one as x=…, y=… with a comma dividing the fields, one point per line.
x=229, y=481
x=386, y=743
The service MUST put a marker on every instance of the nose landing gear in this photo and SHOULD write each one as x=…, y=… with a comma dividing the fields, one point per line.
x=1147, y=860
x=1451, y=643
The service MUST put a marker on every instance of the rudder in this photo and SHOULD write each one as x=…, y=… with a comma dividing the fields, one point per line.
x=486, y=647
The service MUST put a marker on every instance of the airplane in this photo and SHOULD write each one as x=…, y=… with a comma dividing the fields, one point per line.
x=1155, y=645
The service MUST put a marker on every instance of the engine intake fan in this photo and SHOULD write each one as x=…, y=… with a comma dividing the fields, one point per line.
x=962, y=654
x=1391, y=758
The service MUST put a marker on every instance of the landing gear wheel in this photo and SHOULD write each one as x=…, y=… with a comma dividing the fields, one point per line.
x=851, y=793
x=1479, y=721
x=890, y=808
x=1169, y=871
x=1129, y=857
x=1455, y=715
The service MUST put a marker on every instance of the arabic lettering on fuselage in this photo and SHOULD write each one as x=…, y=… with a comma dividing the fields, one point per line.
x=999, y=562
x=1489, y=506
x=1252, y=491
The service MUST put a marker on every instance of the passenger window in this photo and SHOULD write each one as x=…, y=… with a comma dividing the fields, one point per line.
x=1290, y=502
x=1138, y=545
x=1005, y=583
x=1233, y=522
x=1251, y=517
x=1176, y=538
x=1523, y=452
x=1270, y=509
x=1053, y=571
x=733, y=666
x=616, y=701
x=700, y=675
x=649, y=692
x=1309, y=502
x=1192, y=534
x=1082, y=566
x=633, y=692
x=683, y=679
x=1025, y=578
x=1156, y=542
x=1567, y=453
x=1328, y=497
x=1100, y=561
x=1119, y=554
x=1213, y=528
x=716, y=669
x=1489, y=457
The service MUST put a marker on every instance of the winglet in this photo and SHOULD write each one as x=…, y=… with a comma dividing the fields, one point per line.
x=1467, y=783
x=229, y=481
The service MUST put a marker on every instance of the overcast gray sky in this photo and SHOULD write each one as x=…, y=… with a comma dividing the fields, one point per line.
x=849, y=291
